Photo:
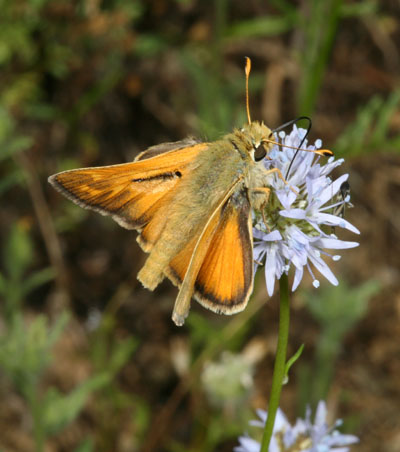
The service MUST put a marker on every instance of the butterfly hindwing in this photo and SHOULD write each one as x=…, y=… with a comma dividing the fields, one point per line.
x=162, y=148
x=225, y=278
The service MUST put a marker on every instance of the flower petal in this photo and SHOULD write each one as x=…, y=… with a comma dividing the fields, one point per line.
x=298, y=276
x=247, y=445
x=342, y=439
x=270, y=270
x=323, y=268
x=320, y=414
x=299, y=214
x=331, y=191
x=286, y=197
x=273, y=236
x=335, y=244
x=333, y=220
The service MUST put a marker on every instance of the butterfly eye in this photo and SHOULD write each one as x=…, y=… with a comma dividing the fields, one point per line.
x=259, y=152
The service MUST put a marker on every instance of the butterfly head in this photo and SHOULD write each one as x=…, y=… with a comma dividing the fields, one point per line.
x=257, y=138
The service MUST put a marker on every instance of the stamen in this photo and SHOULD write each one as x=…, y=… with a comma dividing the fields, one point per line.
x=331, y=206
x=315, y=282
x=335, y=257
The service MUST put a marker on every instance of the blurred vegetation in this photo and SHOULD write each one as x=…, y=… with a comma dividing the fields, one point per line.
x=336, y=310
x=88, y=360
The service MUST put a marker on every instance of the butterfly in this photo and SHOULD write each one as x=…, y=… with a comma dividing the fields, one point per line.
x=191, y=203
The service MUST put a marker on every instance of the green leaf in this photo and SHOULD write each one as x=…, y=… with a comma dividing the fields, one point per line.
x=148, y=45
x=291, y=361
x=364, y=8
x=42, y=111
x=121, y=354
x=12, y=146
x=261, y=26
x=370, y=130
x=338, y=308
x=86, y=446
x=18, y=252
x=25, y=349
x=215, y=100
x=12, y=178
x=37, y=279
x=382, y=120
x=60, y=410
x=6, y=125
x=319, y=26
x=3, y=285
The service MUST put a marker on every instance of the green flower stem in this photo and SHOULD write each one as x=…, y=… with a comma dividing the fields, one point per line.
x=280, y=362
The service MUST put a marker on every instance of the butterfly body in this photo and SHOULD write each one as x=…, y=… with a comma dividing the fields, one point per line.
x=191, y=204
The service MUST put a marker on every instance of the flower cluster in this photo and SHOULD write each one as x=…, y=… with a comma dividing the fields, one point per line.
x=304, y=436
x=300, y=226
x=229, y=379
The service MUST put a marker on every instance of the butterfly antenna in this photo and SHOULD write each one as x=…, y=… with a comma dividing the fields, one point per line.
x=247, y=70
x=301, y=142
x=293, y=121
x=325, y=152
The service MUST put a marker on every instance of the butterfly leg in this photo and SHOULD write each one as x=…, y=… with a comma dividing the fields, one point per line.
x=265, y=193
x=278, y=171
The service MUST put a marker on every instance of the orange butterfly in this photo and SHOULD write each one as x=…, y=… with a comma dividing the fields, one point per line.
x=191, y=204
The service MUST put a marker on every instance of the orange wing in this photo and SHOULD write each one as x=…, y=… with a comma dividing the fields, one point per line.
x=137, y=194
x=225, y=279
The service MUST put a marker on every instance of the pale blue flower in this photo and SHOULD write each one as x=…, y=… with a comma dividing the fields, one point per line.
x=299, y=226
x=304, y=436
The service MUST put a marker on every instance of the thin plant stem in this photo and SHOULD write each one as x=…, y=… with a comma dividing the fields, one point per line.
x=162, y=421
x=280, y=362
x=31, y=392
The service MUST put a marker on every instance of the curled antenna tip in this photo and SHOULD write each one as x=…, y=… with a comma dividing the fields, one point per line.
x=247, y=72
x=248, y=66
x=326, y=152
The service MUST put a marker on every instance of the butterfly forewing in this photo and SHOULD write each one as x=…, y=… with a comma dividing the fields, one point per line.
x=132, y=192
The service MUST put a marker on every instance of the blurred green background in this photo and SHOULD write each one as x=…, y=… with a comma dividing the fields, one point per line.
x=89, y=360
